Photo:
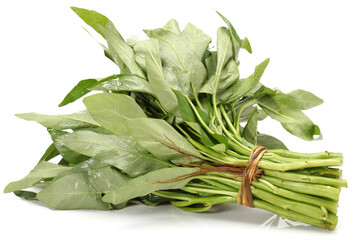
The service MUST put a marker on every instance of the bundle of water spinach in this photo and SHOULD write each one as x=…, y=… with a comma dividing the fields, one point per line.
x=178, y=124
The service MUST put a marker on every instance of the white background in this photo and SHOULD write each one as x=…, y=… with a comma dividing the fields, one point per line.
x=44, y=52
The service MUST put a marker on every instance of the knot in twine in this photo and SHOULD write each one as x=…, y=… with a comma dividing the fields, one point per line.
x=251, y=172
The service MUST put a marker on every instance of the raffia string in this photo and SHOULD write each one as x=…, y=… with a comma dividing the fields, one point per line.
x=251, y=172
x=248, y=172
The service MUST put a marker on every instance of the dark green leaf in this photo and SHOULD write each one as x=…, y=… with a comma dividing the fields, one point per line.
x=50, y=153
x=186, y=111
x=214, y=141
x=151, y=200
x=270, y=142
x=204, y=116
x=250, y=129
x=26, y=195
x=78, y=91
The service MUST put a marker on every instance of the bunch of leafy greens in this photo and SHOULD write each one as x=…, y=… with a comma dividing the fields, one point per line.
x=178, y=105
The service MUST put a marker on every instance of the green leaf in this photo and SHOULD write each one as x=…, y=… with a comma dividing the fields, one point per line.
x=82, y=189
x=151, y=200
x=61, y=122
x=124, y=82
x=248, y=111
x=67, y=154
x=106, y=50
x=156, y=136
x=98, y=22
x=148, y=183
x=42, y=171
x=246, y=45
x=119, y=49
x=118, y=82
x=304, y=99
x=113, y=111
x=111, y=150
x=78, y=91
x=237, y=43
x=206, y=139
x=50, y=153
x=250, y=129
x=214, y=141
x=93, y=19
x=243, y=86
x=156, y=77
x=186, y=111
x=229, y=75
x=223, y=55
x=183, y=51
x=26, y=195
x=281, y=108
x=270, y=142
x=204, y=116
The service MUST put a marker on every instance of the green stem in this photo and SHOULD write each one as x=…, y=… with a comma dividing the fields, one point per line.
x=293, y=215
x=196, y=96
x=196, y=190
x=161, y=108
x=238, y=116
x=198, y=116
x=296, y=177
x=303, y=208
x=307, y=188
x=212, y=200
x=317, y=201
x=290, y=154
x=228, y=121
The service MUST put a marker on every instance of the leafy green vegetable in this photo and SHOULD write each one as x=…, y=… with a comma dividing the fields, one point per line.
x=178, y=125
